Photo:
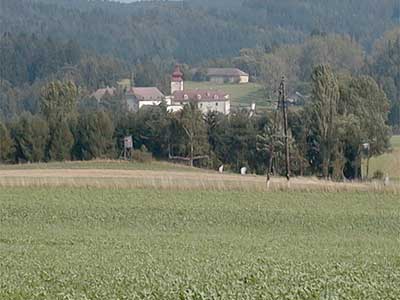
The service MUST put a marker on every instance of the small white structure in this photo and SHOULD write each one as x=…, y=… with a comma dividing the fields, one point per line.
x=243, y=171
x=386, y=180
x=221, y=169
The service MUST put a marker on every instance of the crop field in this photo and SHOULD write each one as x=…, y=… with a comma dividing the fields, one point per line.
x=105, y=243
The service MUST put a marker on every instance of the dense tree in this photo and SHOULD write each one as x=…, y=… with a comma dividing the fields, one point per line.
x=31, y=136
x=58, y=101
x=180, y=29
x=61, y=142
x=58, y=105
x=6, y=144
x=386, y=69
x=192, y=123
x=94, y=136
x=364, y=109
x=324, y=110
x=9, y=100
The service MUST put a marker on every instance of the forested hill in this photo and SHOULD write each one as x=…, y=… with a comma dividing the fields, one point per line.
x=195, y=30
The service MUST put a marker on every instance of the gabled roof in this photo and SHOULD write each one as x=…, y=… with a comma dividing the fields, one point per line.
x=200, y=95
x=146, y=93
x=225, y=72
x=101, y=92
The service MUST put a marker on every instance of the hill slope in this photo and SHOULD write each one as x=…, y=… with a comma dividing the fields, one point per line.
x=194, y=30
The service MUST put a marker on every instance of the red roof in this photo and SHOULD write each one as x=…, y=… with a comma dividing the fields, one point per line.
x=200, y=95
x=177, y=75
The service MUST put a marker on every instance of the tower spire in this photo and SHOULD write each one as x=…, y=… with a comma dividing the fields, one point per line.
x=176, y=80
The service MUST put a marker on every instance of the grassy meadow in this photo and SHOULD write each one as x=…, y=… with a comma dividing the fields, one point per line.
x=104, y=165
x=86, y=243
x=388, y=163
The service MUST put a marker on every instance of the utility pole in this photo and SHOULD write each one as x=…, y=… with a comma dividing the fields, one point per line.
x=282, y=99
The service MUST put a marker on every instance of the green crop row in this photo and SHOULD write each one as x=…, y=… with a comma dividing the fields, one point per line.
x=64, y=243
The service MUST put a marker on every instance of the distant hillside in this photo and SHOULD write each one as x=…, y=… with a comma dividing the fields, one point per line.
x=195, y=30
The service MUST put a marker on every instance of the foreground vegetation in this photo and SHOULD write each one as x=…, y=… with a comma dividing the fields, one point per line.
x=62, y=243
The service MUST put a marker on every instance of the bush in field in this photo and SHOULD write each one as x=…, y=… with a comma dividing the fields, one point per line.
x=142, y=155
x=378, y=174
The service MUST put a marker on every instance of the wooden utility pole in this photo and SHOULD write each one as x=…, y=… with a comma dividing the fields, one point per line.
x=282, y=99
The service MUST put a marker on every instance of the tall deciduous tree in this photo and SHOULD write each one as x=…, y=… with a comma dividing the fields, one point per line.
x=58, y=100
x=191, y=120
x=364, y=111
x=58, y=105
x=324, y=111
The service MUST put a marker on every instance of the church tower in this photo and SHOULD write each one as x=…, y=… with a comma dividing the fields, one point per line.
x=177, y=80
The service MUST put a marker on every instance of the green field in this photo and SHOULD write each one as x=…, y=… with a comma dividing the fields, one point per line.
x=388, y=163
x=241, y=94
x=65, y=243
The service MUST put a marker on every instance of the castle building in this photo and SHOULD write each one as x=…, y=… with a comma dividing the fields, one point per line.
x=206, y=100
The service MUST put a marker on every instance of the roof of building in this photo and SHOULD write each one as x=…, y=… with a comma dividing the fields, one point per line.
x=226, y=72
x=177, y=75
x=200, y=95
x=146, y=93
x=101, y=92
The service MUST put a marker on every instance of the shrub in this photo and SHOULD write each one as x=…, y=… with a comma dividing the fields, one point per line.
x=378, y=174
x=142, y=156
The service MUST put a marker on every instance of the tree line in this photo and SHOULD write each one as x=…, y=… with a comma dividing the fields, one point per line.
x=180, y=29
x=326, y=135
x=341, y=52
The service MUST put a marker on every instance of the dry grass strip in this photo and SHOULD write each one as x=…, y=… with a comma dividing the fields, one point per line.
x=122, y=179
